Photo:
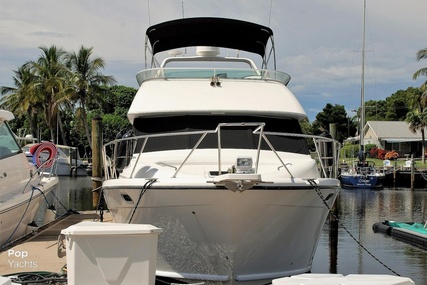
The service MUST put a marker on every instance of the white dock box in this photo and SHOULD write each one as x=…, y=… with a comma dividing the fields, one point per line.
x=111, y=253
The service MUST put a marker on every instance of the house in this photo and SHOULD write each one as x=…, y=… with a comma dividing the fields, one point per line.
x=393, y=135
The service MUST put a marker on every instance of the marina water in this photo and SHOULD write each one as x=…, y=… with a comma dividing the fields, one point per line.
x=358, y=211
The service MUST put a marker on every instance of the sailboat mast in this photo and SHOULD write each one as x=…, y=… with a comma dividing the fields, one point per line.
x=362, y=86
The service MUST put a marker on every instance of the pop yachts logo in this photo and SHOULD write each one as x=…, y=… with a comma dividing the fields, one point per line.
x=18, y=259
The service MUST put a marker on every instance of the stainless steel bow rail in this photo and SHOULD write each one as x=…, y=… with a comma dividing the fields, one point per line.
x=326, y=149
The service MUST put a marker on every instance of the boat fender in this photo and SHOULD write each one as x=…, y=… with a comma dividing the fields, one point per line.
x=37, y=149
x=382, y=227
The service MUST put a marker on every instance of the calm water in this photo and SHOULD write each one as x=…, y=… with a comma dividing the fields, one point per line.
x=75, y=194
x=358, y=211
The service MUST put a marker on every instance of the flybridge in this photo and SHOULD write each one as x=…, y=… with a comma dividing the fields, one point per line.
x=216, y=32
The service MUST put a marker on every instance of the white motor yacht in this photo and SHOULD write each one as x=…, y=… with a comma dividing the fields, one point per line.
x=23, y=187
x=218, y=159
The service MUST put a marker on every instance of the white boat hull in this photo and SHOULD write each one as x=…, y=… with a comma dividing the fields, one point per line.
x=25, y=208
x=21, y=196
x=223, y=235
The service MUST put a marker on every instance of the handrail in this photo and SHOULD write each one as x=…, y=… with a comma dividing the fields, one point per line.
x=191, y=152
x=327, y=160
x=231, y=73
x=260, y=126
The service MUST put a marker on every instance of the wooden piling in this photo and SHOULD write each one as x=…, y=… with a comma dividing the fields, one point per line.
x=96, y=160
x=412, y=172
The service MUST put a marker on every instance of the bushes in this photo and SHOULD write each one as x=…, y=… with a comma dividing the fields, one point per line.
x=351, y=150
x=369, y=148
x=374, y=152
x=383, y=154
x=392, y=155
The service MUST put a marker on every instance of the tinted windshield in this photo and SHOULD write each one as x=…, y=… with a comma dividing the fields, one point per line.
x=8, y=144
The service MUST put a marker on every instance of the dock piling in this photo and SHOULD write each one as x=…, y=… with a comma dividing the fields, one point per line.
x=96, y=160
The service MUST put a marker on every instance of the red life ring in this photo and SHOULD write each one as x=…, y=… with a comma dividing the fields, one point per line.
x=37, y=149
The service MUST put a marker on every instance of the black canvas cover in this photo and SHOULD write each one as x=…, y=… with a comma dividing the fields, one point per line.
x=218, y=32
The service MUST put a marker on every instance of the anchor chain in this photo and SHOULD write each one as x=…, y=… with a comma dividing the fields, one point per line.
x=319, y=193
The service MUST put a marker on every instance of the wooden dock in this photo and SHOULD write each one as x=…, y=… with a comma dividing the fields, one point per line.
x=38, y=252
x=406, y=178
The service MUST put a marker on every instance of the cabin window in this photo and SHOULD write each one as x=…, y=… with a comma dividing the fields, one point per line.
x=8, y=144
x=233, y=137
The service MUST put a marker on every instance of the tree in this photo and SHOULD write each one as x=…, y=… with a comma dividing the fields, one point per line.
x=52, y=84
x=417, y=122
x=423, y=71
x=417, y=118
x=397, y=106
x=375, y=110
x=87, y=80
x=334, y=114
x=306, y=127
x=117, y=101
x=22, y=99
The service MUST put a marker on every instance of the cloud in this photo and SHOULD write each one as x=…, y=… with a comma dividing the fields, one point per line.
x=49, y=34
x=317, y=42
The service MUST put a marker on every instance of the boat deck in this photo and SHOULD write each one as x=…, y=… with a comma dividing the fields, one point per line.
x=38, y=252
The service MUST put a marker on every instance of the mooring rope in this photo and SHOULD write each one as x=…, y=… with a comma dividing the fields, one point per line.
x=33, y=188
x=141, y=193
x=317, y=189
x=18, y=224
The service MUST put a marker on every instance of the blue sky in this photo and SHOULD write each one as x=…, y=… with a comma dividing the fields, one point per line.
x=318, y=42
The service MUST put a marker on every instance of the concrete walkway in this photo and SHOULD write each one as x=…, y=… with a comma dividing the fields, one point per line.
x=39, y=252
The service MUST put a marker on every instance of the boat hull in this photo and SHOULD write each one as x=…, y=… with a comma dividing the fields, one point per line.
x=362, y=181
x=22, y=190
x=409, y=232
x=25, y=207
x=233, y=237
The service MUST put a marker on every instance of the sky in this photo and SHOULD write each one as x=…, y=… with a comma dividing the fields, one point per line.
x=318, y=42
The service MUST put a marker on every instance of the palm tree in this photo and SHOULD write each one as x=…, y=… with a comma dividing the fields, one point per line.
x=417, y=118
x=418, y=121
x=22, y=99
x=423, y=71
x=87, y=80
x=52, y=77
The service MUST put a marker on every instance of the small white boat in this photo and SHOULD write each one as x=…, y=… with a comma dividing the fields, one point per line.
x=23, y=187
x=68, y=162
x=218, y=159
